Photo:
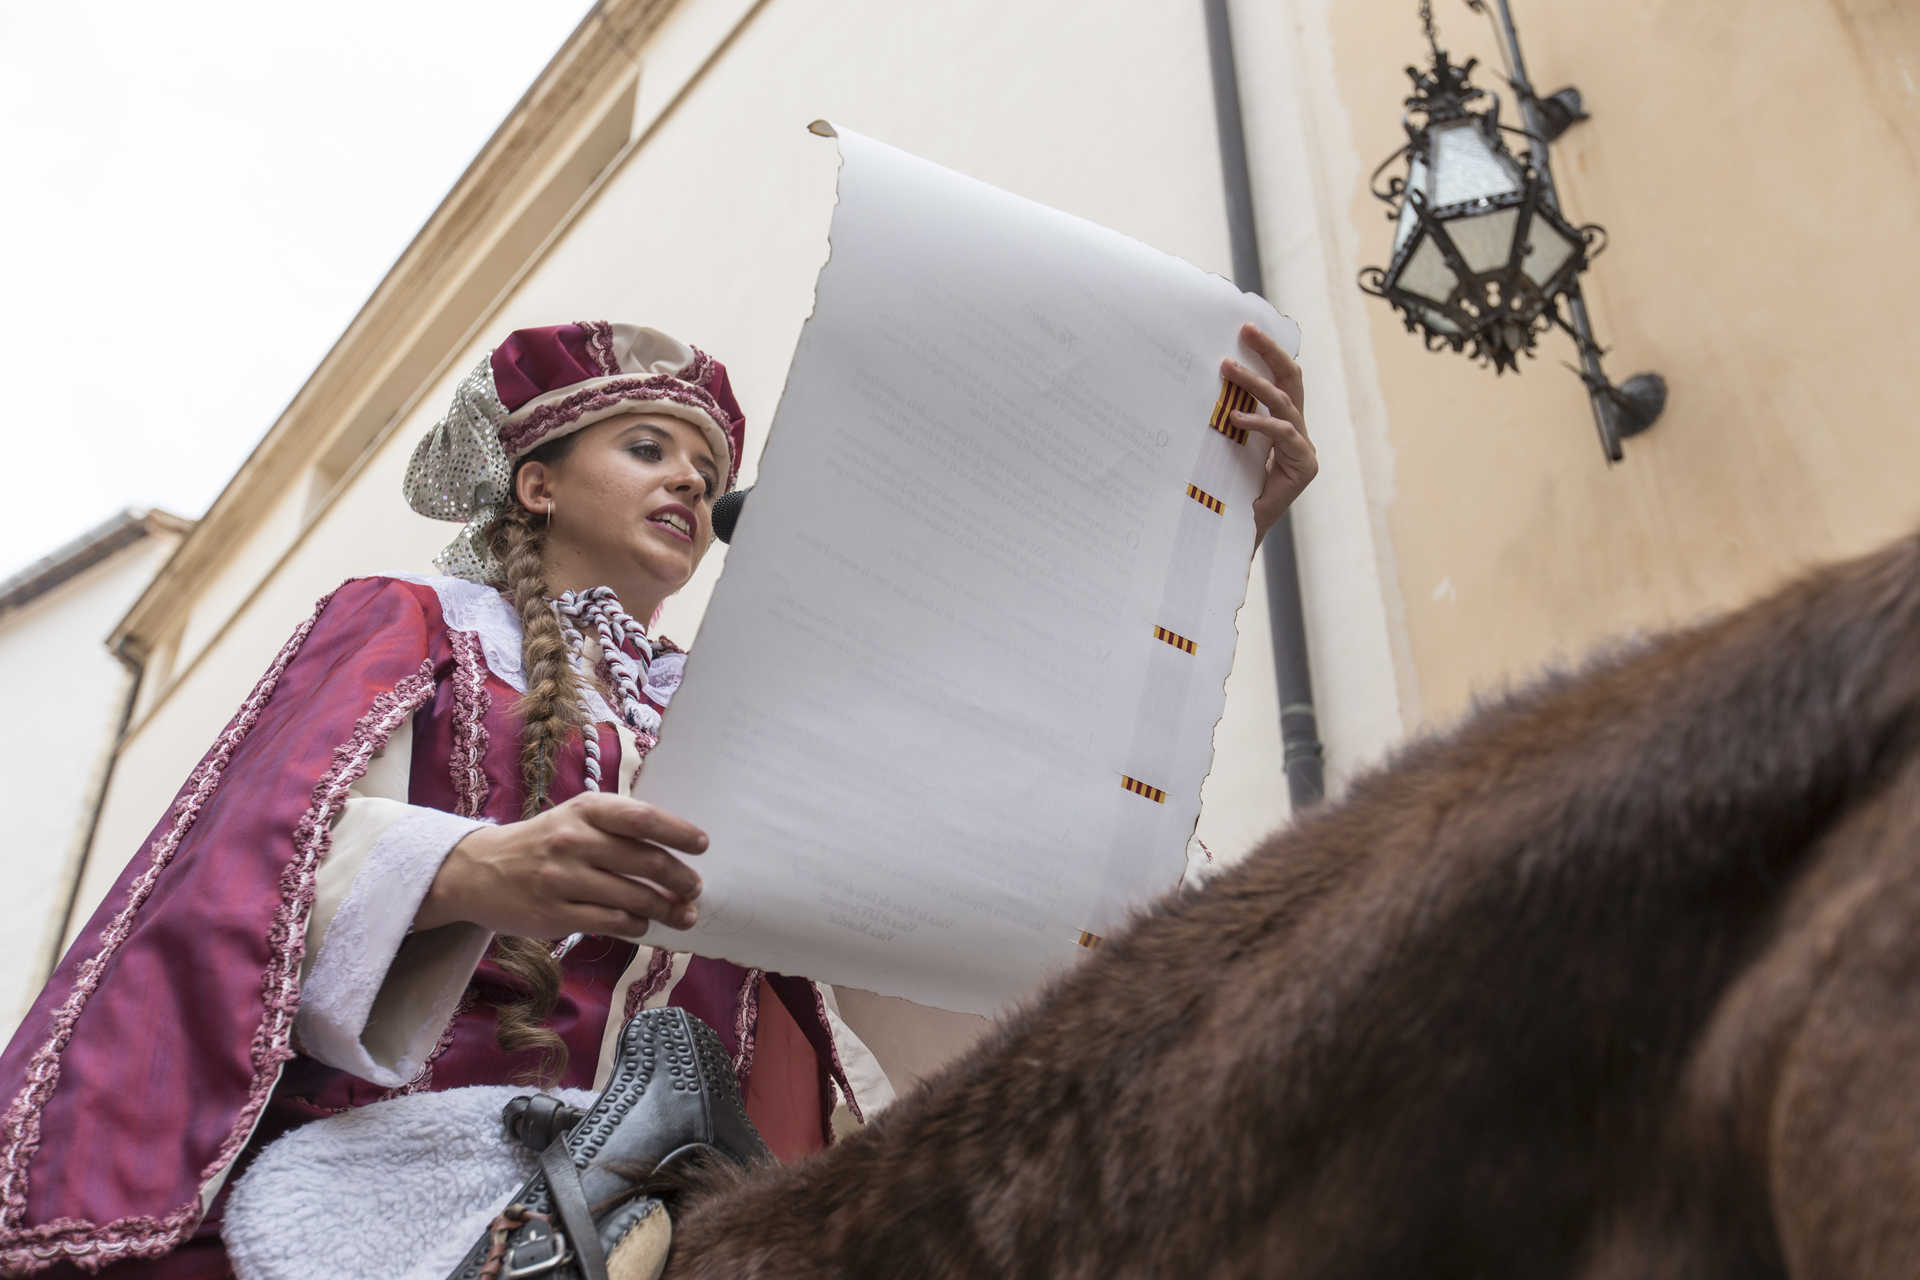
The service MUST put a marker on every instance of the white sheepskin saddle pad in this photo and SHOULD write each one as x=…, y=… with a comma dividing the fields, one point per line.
x=398, y=1190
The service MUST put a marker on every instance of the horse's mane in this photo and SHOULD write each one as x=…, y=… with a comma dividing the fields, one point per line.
x=1443, y=1026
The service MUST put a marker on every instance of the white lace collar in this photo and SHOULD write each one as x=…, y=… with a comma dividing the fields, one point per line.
x=469, y=606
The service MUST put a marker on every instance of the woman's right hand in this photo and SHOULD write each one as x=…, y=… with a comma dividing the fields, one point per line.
x=577, y=868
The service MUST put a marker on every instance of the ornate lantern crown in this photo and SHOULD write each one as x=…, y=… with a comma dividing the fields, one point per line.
x=1481, y=256
x=1481, y=252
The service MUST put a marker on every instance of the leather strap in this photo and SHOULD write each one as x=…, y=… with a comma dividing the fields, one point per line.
x=570, y=1204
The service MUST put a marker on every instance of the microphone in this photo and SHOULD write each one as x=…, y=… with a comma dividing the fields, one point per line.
x=726, y=513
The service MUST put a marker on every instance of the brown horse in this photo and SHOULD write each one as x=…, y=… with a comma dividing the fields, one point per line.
x=1621, y=978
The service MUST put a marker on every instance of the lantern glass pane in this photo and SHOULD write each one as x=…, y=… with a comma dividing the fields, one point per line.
x=1485, y=240
x=1466, y=166
x=1548, y=249
x=1435, y=321
x=1427, y=273
x=1416, y=181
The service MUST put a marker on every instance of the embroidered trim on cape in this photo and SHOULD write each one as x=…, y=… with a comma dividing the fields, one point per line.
x=470, y=705
x=33, y=1248
x=272, y=1043
x=659, y=970
x=746, y=1025
x=833, y=1047
x=548, y=418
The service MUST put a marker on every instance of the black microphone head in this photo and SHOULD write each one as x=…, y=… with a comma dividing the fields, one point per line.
x=726, y=513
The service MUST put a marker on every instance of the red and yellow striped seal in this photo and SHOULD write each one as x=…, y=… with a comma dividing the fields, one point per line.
x=1140, y=788
x=1173, y=638
x=1205, y=499
x=1233, y=398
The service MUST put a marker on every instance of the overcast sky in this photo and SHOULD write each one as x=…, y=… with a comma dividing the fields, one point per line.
x=198, y=197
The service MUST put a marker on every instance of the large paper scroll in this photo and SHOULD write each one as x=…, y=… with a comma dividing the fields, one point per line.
x=954, y=695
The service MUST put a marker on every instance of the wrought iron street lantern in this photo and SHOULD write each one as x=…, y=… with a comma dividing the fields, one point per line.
x=1483, y=259
x=1479, y=254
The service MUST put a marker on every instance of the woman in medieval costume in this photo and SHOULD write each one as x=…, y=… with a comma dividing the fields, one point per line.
x=352, y=897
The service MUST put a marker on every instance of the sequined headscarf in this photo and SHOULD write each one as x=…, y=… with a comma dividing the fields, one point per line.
x=544, y=383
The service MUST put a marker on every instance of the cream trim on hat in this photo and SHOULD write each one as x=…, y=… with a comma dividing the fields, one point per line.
x=597, y=399
x=463, y=468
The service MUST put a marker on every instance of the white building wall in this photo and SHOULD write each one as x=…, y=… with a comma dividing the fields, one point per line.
x=62, y=696
x=714, y=227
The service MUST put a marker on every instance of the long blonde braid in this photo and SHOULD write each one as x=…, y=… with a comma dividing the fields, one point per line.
x=548, y=713
x=550, y=708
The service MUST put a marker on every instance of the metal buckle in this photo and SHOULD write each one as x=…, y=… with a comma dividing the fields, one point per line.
x=550, y=1245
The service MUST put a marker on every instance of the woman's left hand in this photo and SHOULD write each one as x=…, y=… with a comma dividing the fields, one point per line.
x=1291, y=462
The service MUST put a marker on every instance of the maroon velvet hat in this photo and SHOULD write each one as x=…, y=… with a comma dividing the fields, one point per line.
x=567, y=376
x=541, y=384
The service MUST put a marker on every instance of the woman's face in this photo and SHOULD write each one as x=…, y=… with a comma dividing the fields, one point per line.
x=631, y=503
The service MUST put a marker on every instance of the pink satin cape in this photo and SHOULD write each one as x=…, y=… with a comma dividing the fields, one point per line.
x=162, y=1047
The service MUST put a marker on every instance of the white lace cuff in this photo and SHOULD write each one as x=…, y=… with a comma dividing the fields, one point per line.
x=375, y=999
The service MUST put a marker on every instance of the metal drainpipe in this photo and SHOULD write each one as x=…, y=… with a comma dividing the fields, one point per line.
x=1299, y=728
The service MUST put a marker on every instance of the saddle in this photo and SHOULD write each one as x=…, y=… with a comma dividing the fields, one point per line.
x=672, y=1097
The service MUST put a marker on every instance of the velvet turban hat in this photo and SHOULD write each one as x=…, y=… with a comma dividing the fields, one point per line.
x=541, y=384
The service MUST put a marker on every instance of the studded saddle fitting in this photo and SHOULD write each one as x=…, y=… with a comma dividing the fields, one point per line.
x=672, y=1095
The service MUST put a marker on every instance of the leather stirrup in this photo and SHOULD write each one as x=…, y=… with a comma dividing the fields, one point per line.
x=576, y=1215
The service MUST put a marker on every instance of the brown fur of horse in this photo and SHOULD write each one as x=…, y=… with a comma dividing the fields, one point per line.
x=1621, y=978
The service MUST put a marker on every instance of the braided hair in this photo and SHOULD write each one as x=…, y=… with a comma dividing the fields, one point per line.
x=549, y=715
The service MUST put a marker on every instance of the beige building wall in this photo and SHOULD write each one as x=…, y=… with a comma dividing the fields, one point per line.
x=1758, y=170
x=59, y=679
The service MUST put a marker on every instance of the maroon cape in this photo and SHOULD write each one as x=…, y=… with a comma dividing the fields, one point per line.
x=162, y=1048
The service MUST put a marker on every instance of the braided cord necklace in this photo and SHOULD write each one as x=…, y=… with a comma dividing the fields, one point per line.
x=613, y=626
